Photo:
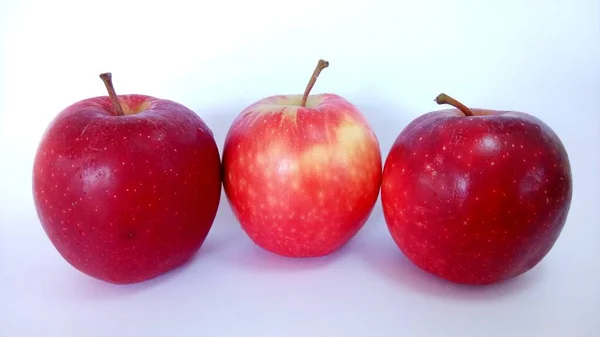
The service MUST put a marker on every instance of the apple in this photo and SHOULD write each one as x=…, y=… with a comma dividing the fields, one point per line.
x=476, y=196
x=126, y=187
x=301, y=172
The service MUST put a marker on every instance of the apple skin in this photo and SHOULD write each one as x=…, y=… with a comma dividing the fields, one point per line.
x=476, y=200
x=127, y=198
x=302, y=181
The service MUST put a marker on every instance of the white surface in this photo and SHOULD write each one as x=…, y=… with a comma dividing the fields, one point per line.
x=217, y=57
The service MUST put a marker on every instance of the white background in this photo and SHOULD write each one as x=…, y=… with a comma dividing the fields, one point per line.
x=216, y=57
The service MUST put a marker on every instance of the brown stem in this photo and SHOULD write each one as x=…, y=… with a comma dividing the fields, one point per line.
x=107, y=79
x=320, y=66
x=445, y=99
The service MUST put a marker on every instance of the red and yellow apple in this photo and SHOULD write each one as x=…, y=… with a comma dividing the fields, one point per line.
x=301, y=172
x=126, y=187
x=476, y=196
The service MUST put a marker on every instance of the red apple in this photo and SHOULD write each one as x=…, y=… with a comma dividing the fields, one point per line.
x=126, y=187
x=301, y=172
x=476, y=196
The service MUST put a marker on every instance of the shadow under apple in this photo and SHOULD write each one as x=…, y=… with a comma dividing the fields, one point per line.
x=255, y=258
x=75, y=285
x=384, y=257
x=221, y=236
x=238, y=249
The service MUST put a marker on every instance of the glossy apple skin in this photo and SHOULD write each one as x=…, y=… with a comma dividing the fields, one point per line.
x=476, y=200
x=301, y=181
x=127, y=198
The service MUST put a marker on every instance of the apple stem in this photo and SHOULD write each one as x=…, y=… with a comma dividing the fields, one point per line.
x=445, y=99
x=107, y=79
x=320, y=66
